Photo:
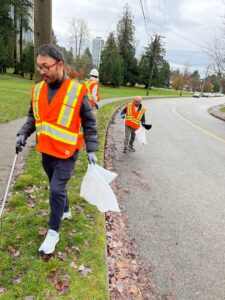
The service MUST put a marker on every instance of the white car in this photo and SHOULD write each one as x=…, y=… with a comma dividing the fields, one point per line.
x=196, y=95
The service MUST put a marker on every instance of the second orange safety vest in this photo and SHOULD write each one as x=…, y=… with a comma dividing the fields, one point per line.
x=133, y=117
x=58, y=124
x=90, y=85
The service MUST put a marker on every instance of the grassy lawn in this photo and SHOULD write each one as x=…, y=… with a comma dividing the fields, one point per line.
x=109, y=92
x=82, y=240
x=222, y=109
x=15, y=95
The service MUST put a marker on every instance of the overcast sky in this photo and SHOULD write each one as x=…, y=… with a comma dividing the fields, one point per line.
x=179, y=21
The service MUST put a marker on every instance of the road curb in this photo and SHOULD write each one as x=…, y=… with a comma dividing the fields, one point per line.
x=215, y=112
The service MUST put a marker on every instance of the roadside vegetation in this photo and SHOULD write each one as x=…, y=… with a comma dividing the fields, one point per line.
x=78, y=268
x=15, y=95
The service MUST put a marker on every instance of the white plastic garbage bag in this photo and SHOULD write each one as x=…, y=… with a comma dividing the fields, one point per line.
x=96, y=190
x=141, y=136
x=107, y=175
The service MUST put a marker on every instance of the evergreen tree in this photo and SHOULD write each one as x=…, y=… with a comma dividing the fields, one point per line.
x=153, y=68
x=6, y=36
x=26, y=65
x=85, y=62
x=110, y=66
x=125, y=39
x=21, y=16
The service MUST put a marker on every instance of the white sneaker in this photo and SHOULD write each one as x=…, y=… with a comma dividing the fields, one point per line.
x=67, y=215
x=51, y=239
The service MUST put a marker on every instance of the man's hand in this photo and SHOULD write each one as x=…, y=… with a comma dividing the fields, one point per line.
x=92, y=159
x=96, y=105
x=20, y=143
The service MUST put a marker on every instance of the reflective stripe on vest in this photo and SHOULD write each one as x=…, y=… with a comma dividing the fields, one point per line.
x=69, y=104
x=88, y=86
x=56, y=133
x=37, y=90
x=130, y=116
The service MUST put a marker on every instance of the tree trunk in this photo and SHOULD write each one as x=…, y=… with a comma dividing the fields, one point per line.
x=15, y=40
x=42, y=26
x=21, y=38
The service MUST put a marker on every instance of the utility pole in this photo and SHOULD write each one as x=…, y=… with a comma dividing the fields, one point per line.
x=155, y=48
x=42, y=25
x=203, y=84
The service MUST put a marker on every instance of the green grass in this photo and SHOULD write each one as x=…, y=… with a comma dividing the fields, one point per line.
x=86, y=231
x=15, y=95
x=109, y=92
x=222, y=109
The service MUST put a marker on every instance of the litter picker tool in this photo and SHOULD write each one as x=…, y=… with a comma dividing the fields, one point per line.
x=7, y=188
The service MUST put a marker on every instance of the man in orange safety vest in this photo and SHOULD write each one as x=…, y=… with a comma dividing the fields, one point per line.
x=134, y=115
x=62, y=117
x=92, y=86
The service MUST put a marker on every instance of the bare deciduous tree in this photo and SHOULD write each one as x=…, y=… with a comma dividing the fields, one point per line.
x=79, y=35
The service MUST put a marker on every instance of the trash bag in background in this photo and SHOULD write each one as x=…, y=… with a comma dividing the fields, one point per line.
x=96, y=190
x=141, y=136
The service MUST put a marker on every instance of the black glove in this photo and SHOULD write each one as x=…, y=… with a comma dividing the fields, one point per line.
x=20, y=143
x=96, y=105
x=147, y=126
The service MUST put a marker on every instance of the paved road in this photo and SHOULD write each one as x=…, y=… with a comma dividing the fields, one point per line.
x=176, y=200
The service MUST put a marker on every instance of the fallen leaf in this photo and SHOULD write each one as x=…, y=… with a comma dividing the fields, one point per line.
x=16, y=281
x=121, y=275
x=53, y=276
x=120, y=264
x=70, y=235
x=84, y=270
x=73, y=265
x=134, y=290
x=13, y=252
x=31, y=201
x=43, y=212
x=29, y=298
x=62, y=256
x=42, y=231
x=60, y=285
x=2, y=290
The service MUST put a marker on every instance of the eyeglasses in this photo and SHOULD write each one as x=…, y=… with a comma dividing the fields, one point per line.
x=45, y=68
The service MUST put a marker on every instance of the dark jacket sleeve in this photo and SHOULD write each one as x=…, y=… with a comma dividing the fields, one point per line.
x=88, y=122
x=29, y=126
x=123, y=112
x=143, y=117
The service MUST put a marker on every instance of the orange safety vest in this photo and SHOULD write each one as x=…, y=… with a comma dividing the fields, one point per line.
x=58, y=124
x=133, y=117
x=90, y=85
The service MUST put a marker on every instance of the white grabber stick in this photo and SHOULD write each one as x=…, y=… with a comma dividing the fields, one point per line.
x=7, y=188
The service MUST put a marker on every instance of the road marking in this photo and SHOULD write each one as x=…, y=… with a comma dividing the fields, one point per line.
x=196, y=126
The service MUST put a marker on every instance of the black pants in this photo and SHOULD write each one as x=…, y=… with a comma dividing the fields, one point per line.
x=59, y=172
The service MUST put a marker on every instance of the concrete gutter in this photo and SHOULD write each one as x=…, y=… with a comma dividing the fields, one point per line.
x=215, y=111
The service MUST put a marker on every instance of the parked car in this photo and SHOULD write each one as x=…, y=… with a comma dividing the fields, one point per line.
x=207, y=95
x=196, y=95
x=218, y=95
